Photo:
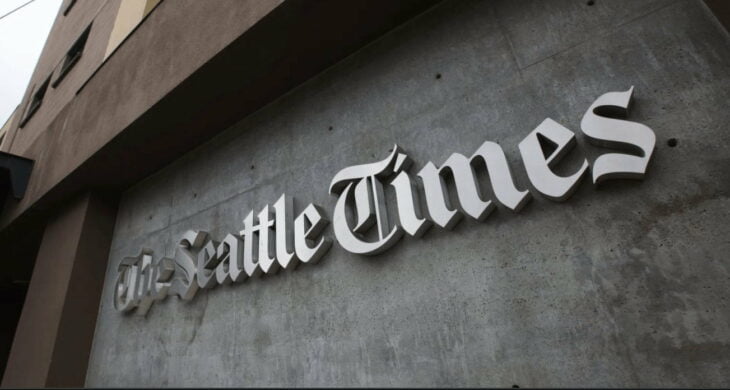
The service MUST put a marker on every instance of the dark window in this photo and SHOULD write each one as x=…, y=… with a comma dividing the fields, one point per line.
x=68, y=7
x=35, y=101
x=72, y=57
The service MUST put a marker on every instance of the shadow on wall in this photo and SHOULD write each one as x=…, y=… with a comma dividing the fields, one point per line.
x=16, y=268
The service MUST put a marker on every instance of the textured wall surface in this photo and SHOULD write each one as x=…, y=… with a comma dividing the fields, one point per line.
x=621, y=285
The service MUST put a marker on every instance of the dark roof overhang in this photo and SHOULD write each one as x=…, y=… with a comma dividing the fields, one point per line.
x=14, y=175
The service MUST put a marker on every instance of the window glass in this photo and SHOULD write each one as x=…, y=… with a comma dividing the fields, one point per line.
x=72, y=56
x=35, y=101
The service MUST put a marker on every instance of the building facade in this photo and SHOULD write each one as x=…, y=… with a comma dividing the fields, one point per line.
x=476, y=193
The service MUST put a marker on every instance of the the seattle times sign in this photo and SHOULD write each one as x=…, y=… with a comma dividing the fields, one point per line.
x=276, y=239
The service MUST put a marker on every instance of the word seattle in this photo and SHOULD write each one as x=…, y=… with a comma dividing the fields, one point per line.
x=276, y=239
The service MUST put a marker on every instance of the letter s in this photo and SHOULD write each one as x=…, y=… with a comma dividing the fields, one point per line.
x=185, y=285
x=602, y=129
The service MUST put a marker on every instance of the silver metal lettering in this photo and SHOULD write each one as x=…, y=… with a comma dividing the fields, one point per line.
x=250, y=234
x=602, y=129
x=369, y=199
x=284, y=211
x=267, y=256
x=409, y=208
x=124, y=286
x=307, y=227
x=230, y=268
x=207, y=261
x=275, y=238
x=141, y=282
x=184, y=285
x=467, y=188
x=539, y=166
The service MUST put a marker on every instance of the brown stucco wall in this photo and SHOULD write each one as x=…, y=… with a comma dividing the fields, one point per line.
x=65, y=31
x=53, y=337
x=174, y=41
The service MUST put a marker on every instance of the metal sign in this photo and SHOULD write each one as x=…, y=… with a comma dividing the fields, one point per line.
x=275, y=239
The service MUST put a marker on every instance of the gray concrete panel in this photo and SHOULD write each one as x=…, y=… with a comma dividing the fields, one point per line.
x=622, y=285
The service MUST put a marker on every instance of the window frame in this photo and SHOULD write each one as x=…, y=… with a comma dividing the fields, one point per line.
x=42, y=90
x=68, y=7
x=73, y=55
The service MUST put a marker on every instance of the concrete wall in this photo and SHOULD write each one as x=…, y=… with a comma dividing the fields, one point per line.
x=625, y=285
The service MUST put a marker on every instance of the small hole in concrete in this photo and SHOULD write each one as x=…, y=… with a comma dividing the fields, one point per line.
x=438, y=76
x=330, y=128
x=591, y=2
x=252, y=167
x=515, y=387
x=672, y=142
x=195, y=195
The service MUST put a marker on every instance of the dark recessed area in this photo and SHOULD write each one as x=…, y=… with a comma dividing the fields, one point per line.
x=591, y=2
x=672, y=142
x=438, y=76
